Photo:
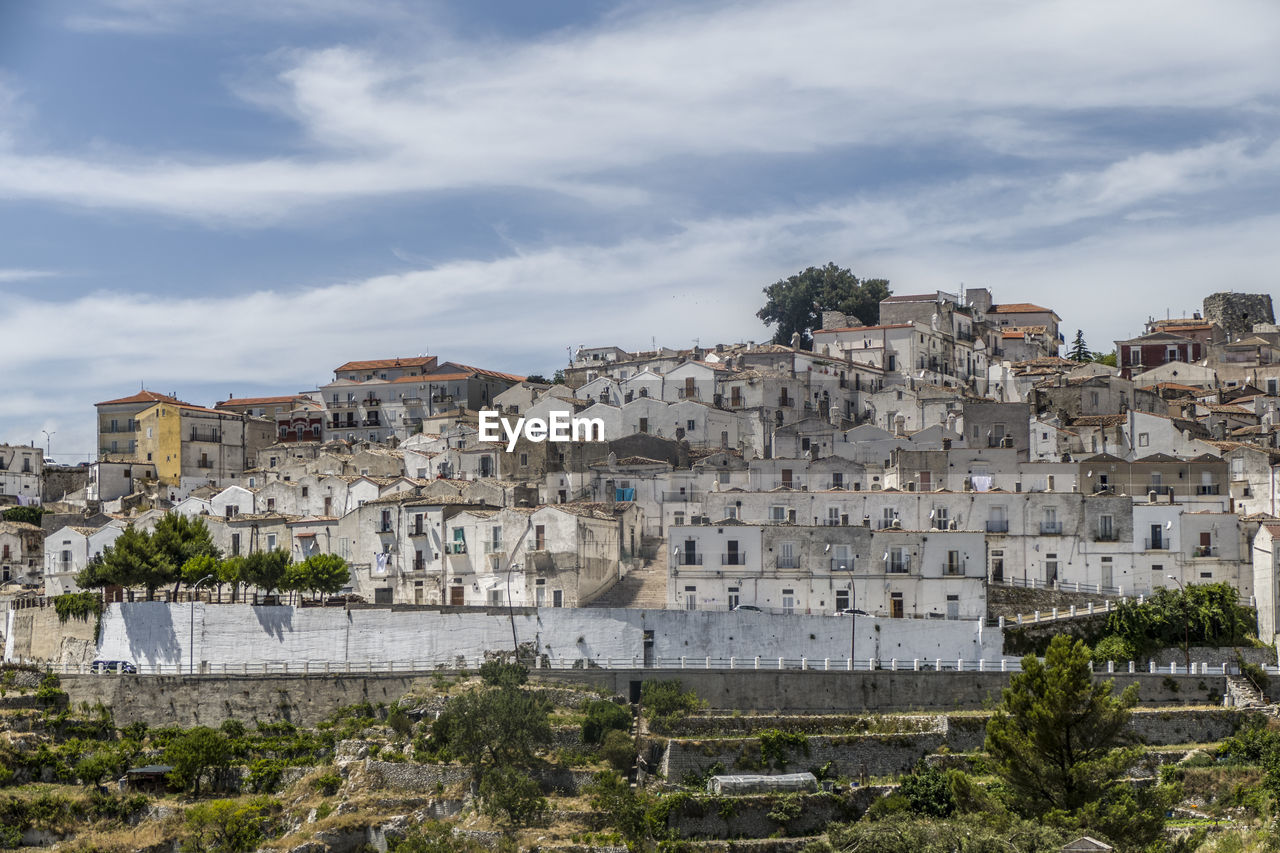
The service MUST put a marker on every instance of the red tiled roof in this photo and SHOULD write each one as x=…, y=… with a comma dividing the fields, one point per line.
x=259, y=401
x=1020, y=308
x=423, y=361
x=143, y=397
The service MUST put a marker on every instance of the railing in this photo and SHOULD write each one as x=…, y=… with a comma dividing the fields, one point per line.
x=682, y=496
x=885, y=524
x=837, y=485
x=786, y=484
x=792, y=562
x=1155, y=544
x=735, y=559
x=998, y=526
x=952, y=569
x=213, y=437
x=1051, y=528
x=1205, y=551
x=204, y=463
x=1106, y=536
x=1158, y=488
x=1101, y=489
x=371, y=422
x=342, y=404
x=686, y=559
x=894, y=567
x=838, y=565
x=1212, y=489
x=371, y=401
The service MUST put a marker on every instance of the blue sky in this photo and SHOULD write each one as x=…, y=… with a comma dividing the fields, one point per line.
x=236, y=196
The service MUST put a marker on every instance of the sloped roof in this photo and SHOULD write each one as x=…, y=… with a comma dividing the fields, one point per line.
x=377, y=363
x=144, y=396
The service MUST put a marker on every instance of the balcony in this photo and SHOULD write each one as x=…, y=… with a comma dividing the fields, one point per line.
x=455, y=548
x=1001, y=526
x=896, y=567
x=792, y=562
x=411, y=400
x=419, y=530
x=1158, y=488
x=204, y=463
x=1155, y=544
x=684, y=558
x=370, y=402
x=736, y=559
x=964, y=335
x=1097, y=488
x=1211, y=489
x=886, y=524
x=212, y=437
x=1051, y=528
x=342, y=404
x=371, y=422
x=952, y=569
x=1106, y=536
x=685, y=394
x=837, y=485
x=682, y=497
x=1205, y=552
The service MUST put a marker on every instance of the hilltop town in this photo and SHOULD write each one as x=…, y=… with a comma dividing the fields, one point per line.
x=919, y=468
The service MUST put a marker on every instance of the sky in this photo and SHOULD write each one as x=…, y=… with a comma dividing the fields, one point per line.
x=234, y=197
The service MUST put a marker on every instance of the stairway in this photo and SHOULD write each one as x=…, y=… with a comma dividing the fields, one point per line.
x=1242, y=694
x=641, y=588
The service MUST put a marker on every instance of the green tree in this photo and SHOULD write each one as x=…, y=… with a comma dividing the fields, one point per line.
x=1056, y=738
x=511, y=796
x=928, y=792
x=498, y=727
x=796, y=304
x=178, y=538
x=1107, y=358
x=627, y=810
x=325, y=573
x=1079, y=349
x=132, y=560
x=196, y=753
x=265, y=569
x=228, y=826
x=231, y=571
x=24, y=514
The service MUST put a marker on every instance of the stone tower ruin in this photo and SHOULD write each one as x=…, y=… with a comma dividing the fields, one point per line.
x=1237, y=313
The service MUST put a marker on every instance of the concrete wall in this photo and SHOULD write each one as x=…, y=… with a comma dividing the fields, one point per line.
x=233, y=634
x=34, y=633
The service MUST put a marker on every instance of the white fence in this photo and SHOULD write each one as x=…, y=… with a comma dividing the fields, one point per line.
x=416, y=667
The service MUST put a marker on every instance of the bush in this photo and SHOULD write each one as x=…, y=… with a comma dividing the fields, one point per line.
x=1113, y=648
x=498, y=673
x=400, y=722
x=928, y=792
x=264, y=775
x=667, y=701
x=604, y=716
x=618, y=749
x=327, y=783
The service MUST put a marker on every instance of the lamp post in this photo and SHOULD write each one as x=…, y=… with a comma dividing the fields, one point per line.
x=1186, y=622
x=191, y=635
x=48, y=441
x=853, y=627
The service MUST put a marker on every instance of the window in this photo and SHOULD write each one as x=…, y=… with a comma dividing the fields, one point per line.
x=941, y=516
x=677, y=518
x=540, y=539
x=690, y=598
x=898, y=560
x=953, y=607
x=842, y=559
x=895, y=605
x=644, y=424
x=524, y=460
x=887, y=517
x=271, y=504
x=842, y=600
x=1050, y=569
x=777, y=514
x=953, y=566
x=305, y=491
x=1093, y=400
x=734, y=597
x=235, y=544
x=1135, y=356
x=271, y=541
x=385, y=526
x=788, y=601
x=1106, y=528
x=1143, y=439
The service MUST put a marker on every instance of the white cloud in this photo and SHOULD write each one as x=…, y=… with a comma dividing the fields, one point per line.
x=18, y=274
x=676, y=83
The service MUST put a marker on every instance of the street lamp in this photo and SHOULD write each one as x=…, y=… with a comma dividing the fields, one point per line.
x=191, y=636
x=48, y=440
x=1186, y=622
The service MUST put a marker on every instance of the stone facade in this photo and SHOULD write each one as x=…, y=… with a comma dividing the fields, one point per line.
x=1236, y=313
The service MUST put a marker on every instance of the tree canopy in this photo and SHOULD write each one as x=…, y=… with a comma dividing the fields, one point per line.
x=155, y=559
x=796, y=304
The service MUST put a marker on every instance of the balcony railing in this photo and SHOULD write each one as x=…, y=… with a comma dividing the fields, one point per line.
x=1211, y=489
x=1106, y=536
x=786, y=484
x=952, y=569
x=885, y=524
x=1001, y=526
x=896, y=567
x=684, y=558
x=1155, y=544
x=839, y=565
x=736, y=559
x=371, y=422
x=212, y=437
x=1051, y=528
x=1158, y=489
x=792, y=562
x=1205, y=551
x=204, y=463
x=342, y=404
x=685, y=496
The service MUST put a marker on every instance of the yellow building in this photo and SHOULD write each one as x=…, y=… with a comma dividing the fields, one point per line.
x=191, y=443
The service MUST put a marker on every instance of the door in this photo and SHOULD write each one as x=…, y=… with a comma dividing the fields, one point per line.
x=382, y=595
x=417, y=593
x=648, y=652
x=997, y=566
x=690, y=553
x=457, y=596
x=953, y=607
x=895, y=605
x=1157, y=536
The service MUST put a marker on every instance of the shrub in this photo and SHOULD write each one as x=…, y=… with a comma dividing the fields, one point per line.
x=511, y=796
x=618, y=749
x=327, y=783
x=604, y=716
x=498, y=673
x=264, y=775
x=928, y=792
x=400, y=722
x=1113, y=648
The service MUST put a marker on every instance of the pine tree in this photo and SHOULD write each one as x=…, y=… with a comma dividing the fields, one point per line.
x=1079, y=349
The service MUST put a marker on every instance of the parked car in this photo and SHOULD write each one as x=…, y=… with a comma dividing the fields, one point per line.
x=852, y=612
x=749, y=608
x=103, y=666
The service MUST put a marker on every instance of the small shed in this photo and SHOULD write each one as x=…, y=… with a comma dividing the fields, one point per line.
x=150, y=778
x=761, y=784
x=1085, y=844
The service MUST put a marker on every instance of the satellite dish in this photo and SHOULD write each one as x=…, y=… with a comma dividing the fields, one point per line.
x=1168, y=525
